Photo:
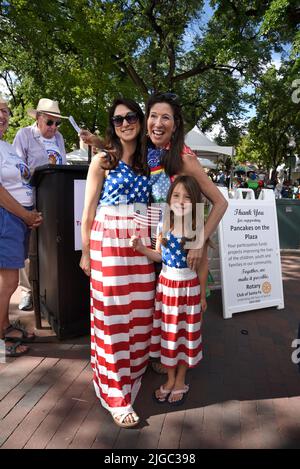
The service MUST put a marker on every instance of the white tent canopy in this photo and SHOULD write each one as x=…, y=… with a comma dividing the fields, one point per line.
x=206, y=163
x=205, y=148
x=80, y=155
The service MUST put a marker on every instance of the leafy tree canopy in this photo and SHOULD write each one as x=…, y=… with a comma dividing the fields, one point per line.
x=85, y=52
x=274, y=132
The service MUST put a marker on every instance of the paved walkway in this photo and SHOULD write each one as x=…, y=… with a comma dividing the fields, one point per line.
x=244, y=394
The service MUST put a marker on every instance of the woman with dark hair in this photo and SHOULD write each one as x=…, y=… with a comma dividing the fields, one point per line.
x=122, y=280
x=168, y=156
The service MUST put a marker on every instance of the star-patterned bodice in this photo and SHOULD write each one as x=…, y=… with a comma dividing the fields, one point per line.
x=124, y=186
x=173, y=255
x=159, y=180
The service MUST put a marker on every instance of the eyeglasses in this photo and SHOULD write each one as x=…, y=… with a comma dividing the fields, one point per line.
x=131, y=118
x=51, y=122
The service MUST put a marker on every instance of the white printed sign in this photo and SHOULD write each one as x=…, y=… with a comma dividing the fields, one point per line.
x=79, y=190
x=250, y=253
x=74, y=125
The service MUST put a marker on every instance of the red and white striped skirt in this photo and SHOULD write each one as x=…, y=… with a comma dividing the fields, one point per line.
x=176, y=333
x=122, y=303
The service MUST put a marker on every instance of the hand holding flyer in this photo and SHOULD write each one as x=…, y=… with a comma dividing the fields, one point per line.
x=73, y=123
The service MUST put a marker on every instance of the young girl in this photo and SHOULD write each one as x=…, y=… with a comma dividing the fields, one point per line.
x=176, y=334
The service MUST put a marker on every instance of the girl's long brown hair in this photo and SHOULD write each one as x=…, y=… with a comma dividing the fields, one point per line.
x=192, y=187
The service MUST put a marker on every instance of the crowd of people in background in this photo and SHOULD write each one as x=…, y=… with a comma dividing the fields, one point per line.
x=257, y=180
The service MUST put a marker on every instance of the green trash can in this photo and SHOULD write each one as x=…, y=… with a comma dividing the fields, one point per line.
x=288, y=216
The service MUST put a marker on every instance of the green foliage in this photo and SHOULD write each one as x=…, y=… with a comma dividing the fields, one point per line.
x=246, y=151
x=86, y=52
x=274, y=133
x=281, y=22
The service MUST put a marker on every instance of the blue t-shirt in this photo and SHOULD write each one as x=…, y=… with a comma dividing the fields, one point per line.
x=124, y=186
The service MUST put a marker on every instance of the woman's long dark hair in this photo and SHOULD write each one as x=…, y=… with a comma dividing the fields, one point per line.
x=171, y=159
x=192, y=187
x=112, y=142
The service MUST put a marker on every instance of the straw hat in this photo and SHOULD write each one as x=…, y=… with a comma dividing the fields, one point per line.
x=46, y=106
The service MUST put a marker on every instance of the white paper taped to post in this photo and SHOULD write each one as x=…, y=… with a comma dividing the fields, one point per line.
x=249, y=253
x=79, y=190
x=73, y=123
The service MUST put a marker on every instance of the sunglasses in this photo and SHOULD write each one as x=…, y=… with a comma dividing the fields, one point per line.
x=50, y=122
x=131, y=118
x=170, y=96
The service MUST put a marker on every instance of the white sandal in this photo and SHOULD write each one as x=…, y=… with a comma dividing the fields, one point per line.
x=119, y=419
x=183, y=391
x=164, y=394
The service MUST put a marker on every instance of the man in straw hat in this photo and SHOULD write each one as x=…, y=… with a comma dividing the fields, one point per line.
x=39, y=144
x=16, y=217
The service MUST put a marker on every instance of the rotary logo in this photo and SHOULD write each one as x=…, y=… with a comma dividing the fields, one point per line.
x=25, y=173
x=266, y=287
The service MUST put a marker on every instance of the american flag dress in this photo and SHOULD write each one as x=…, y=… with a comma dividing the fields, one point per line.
x=122, y=291
x=176, y=335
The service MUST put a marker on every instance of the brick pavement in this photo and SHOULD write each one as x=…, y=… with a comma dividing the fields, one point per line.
x=244, y=394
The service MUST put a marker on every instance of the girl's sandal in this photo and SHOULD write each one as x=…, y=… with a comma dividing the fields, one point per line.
x=183, y=391
x=119, y=419
x=164, y=395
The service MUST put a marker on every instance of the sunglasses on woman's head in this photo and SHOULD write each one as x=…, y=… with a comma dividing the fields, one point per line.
x=131, y=118
x=171, y=96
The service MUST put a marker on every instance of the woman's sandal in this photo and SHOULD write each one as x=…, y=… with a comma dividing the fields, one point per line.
x=164, y=395
x=11, y=350
x=119, y=419
x=26, y=337
x=183, y=391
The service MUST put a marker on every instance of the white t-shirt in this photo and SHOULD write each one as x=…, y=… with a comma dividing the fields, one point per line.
x=52, y=149
x=15, y=175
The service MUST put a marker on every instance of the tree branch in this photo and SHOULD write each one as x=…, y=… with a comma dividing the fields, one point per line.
x=9, y=84
x=129, y=69
x=201, y=68
x=172, y=62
